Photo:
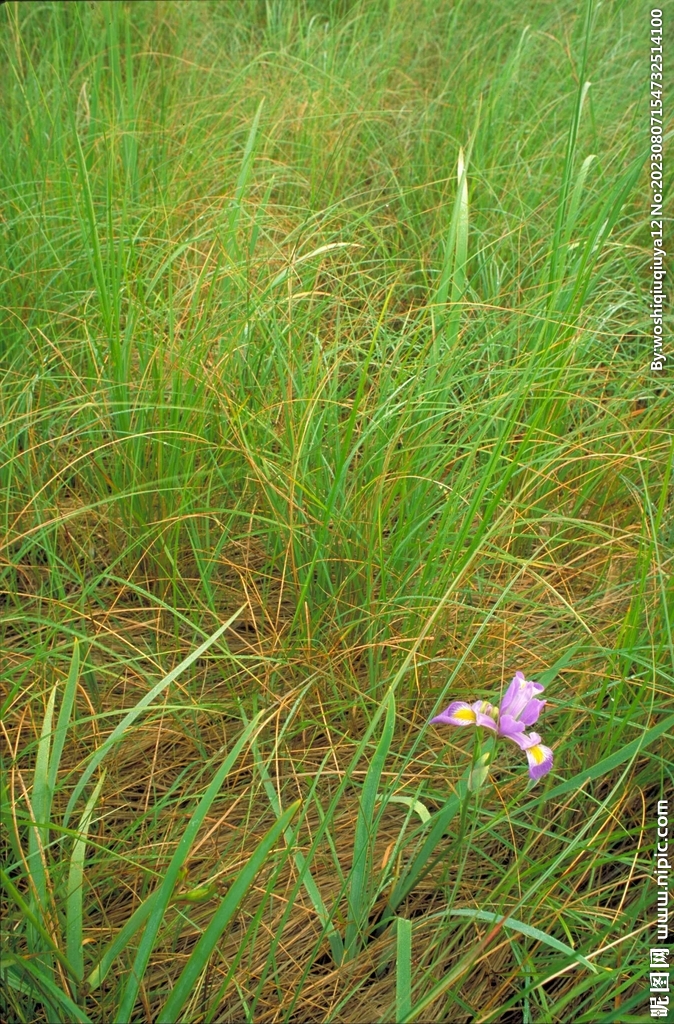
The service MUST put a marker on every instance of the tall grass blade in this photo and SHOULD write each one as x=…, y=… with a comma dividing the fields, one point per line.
x=201, y=953
x=363, y=843
x=29, y=914
x=497, y=920
x=231, y=244
x=424, y=860
x=557, y=251
x=63, y=723
x=47, y=992
x=38, y=833
x=156, y=916
x=403, y=968
x=608, y=764
x=334, y=938
x=74, y=948
x=525, y=929
x=453, y=273
x=138, y=709
x=461, y=254
x=121, y=941
x=90, y=233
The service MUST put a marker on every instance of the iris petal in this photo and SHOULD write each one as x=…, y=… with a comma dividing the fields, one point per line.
x=531, y=712
x=457, y=713
x=510, y=727
x=512, y=692
x=540, y=760
x=519, y=701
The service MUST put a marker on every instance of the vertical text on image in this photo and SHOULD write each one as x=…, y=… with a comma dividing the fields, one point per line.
x=657, y=166
x=659, y=955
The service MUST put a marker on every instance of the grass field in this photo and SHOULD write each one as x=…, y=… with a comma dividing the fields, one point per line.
x=326, y=401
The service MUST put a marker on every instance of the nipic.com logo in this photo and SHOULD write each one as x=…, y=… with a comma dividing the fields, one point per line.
x=659, y=955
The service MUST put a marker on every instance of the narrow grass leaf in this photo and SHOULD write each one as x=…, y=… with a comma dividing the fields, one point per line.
x=40, y=798
x=50, y=992
x=29, y=914
x=223, y=915
x=334, y=938
x=461, y=253
x=142, y=704
x=607, y=764
x=94, y=247
x=75, y=883
x=242, y=182
x=156, y=916
x=403, y=968
x=365, y=837
x=525, y=929
x=409, y=801
x=424, y=859
x=62, y=724
x=121, y=940
x=38, y=834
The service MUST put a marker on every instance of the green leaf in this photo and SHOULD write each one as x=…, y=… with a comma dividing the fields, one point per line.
x=38, y=834
x=41, y=797
x=453, y=269
x=546, y=677
x=200, y=894
x=409, y=801
x=142, y=704
x=241, y=183
x=201, y=953
x=607, y=764
x=121, y=940
x=64, y=720
x=167, y=886
x=525, y=929
x=365, y=837
x=75, y=883
x=334, y=938
x=403, y=968
x=49, y=991
x=424, y=859
x=30, y=916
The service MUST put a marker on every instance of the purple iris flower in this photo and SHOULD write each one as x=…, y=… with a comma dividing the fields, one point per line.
x=518, y=709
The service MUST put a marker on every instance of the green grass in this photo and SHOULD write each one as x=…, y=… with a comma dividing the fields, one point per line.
x=326, y=399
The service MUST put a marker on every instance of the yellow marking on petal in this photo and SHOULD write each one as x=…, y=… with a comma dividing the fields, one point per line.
x=465, y=714
x=537, y=754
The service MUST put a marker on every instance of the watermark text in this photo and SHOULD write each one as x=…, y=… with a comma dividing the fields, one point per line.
x=659, y=955
x=658, y=270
